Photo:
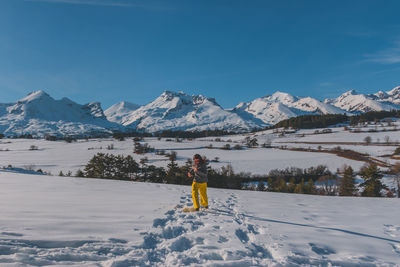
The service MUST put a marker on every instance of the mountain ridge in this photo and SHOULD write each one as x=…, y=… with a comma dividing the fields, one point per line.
x=39, y=114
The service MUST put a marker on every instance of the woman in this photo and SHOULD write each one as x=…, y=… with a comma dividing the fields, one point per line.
x=199, y=175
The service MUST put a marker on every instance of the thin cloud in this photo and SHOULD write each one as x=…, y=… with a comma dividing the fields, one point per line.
x=89, y=2
x=389, y=55
x=386, y=71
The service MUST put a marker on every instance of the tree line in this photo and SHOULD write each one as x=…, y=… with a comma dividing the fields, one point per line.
x=329, y=184
x=314, y=180
x=326, y=120
x=121, y=167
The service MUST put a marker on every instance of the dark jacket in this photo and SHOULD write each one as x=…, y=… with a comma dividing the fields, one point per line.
x=201, y=175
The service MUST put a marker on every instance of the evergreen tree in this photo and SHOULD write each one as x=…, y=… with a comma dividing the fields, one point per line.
x=129, y=167
x=61, y=173
x=172, y=156
x=396, y=172
x=271, y=186
x=137, y=148
x=110, y=166
x=347, y=186
x=172, y=171
x=260, y=186
x=79, y=173
x=144, y=170
x=118, y=167
x=95, y=168
x=155, y=174
x=183, y=173
x=372, y=181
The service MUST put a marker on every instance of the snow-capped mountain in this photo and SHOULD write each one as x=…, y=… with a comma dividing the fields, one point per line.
x=392, y=96
x=3, y=109
x=120, y=112
x=179, y=111
x=280, y=106
x=39, y=114
x=95, y=109
x=354, y=102
x=315, y=106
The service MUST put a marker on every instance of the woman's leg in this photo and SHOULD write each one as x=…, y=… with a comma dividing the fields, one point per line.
x=203, y=194
x=195, y=195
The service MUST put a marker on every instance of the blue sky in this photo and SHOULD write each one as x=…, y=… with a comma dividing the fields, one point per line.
x=113, y=50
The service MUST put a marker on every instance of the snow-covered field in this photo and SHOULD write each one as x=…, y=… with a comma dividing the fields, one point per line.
x=56, y=156
x=60, y=156
x=51, y=220
x=47, y=220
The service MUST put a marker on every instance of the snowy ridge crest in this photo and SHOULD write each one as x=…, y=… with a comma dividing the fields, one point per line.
x=271, y=109
x=180, y=111
x=358, y=103
x=39, y=114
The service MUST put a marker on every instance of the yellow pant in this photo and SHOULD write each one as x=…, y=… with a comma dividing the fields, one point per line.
x=196, y=187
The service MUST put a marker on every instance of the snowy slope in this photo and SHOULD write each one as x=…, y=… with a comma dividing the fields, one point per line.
x=3, y=109
x=313, y=105
x=392, y=96
x=268, y=112
x=280, y=106
x=354, y=102
x=179, y=111
x=91, y=222
x=120, y=112
x=39, y=114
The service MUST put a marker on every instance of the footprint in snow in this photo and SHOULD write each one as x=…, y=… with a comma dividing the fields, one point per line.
x=322, y=249
x=172, y=232
x=222, y=239
x=242, y=235
x=199, y=240
x=163, y=221
x=252, y=229
x=259, y=251
x=181, y=244
x=396, y=248
x=391, y=230
x=170, y=212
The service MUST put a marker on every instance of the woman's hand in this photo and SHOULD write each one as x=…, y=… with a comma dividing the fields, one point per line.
x=189, y=174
